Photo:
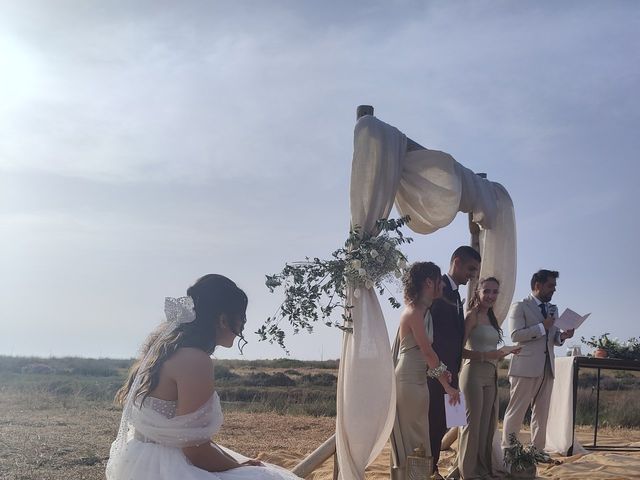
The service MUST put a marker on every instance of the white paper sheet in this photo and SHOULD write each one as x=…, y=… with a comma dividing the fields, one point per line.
x=570, y=319
x=456, y=414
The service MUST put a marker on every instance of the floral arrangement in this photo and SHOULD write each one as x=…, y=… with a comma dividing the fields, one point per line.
x=520, y=458
x=629, y=350
x=314, y=288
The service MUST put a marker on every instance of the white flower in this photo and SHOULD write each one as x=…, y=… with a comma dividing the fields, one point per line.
x=362, y=272
x=380, y=259
x=398, y=274
x=402, y=263
x=386, y=246
x=356, y=264
x=356, y=293
x=368, y=283
x=373, y=253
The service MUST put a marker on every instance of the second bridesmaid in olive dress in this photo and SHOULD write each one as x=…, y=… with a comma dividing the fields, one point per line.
x=413, y=358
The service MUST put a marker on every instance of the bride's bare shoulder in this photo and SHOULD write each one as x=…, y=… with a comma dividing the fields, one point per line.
x=192, y=360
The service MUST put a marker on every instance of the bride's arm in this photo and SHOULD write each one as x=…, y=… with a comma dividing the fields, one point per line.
x=192, y=370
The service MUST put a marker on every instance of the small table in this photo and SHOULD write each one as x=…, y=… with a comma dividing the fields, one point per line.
x=599, y=364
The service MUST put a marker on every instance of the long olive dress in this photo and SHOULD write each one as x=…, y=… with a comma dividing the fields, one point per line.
x=411, y=427
x=479, y=385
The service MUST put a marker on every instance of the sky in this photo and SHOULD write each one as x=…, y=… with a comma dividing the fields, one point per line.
x=144, y=144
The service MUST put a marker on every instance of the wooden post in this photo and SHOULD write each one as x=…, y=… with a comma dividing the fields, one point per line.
x=474, y=228
x=363, y=110
x=317, y=458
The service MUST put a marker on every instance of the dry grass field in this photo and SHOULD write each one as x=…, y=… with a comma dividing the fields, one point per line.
x=57, y=420
x=44, y=439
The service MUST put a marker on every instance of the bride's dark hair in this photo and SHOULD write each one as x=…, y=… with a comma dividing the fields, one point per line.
x=213, y=296
x=414, y=279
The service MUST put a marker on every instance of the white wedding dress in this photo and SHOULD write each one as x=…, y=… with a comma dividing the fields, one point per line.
x=152, y=448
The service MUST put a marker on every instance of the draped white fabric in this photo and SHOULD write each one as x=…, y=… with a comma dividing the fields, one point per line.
x=560, y=421
x=430, y=187
x=366, y=387
x=434, y=188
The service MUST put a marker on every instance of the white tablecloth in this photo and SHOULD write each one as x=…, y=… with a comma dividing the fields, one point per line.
x=560, y=421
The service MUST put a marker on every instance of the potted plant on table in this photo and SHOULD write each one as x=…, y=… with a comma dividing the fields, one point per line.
x=521, y=461
x=606, y=347
x=602, y=345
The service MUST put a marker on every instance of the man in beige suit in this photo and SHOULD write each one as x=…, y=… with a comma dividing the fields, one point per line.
x=531, y=325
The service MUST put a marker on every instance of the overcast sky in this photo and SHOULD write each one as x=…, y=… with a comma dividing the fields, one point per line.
x=143, y=144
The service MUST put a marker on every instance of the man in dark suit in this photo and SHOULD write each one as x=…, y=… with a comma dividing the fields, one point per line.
x=448, y=335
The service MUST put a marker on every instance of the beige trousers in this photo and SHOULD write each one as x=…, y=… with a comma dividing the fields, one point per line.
x=526, y=391
x=479, y=384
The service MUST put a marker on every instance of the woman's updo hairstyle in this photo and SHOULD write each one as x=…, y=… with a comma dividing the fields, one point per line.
x=213, y=295
x=414, y=278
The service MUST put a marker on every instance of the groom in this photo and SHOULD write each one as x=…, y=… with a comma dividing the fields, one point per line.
x=448, y=334
x=532, y=326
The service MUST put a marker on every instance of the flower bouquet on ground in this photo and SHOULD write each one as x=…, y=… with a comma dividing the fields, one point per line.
x=521, y=461
x=314, y=288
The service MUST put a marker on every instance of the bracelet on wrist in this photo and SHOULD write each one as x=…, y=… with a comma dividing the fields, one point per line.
x=436, y=372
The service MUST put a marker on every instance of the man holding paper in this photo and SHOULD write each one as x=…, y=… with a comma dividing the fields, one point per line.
x=532, y=327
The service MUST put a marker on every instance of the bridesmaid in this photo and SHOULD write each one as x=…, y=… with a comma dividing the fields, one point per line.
x=414, y=360
x=479, y=382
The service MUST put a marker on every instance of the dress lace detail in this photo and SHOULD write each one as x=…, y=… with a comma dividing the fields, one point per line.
x=166, y=408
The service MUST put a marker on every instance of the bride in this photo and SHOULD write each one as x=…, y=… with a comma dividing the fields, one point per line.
x=170, y=406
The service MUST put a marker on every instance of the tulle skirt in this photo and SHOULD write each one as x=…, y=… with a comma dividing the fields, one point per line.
x=151, y=461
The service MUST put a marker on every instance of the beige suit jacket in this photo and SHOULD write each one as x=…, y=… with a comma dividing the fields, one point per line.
x=525, y=319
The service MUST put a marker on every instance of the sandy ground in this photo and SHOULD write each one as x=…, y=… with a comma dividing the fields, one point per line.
x=594, y=465
x=45, y=439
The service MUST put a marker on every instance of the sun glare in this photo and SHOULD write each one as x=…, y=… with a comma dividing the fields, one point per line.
x=19, y=77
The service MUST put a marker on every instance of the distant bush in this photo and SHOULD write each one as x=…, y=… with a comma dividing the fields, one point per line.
x=285, y=363
x=294, y=401
x=263, y=379
x=222, y=372
x=95, y=367
x=320, y=379
x=40, y=368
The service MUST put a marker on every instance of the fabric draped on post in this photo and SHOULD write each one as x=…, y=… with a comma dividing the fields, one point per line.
x=366, y=384
x=430, y=187
x=434, y=188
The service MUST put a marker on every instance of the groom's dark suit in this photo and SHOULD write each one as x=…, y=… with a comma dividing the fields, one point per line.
x=448, y=334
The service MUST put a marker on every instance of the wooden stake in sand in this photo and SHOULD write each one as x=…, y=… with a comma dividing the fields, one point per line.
x=316, y=458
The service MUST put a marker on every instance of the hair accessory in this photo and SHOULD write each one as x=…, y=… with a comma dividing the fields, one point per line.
x=179, y=310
